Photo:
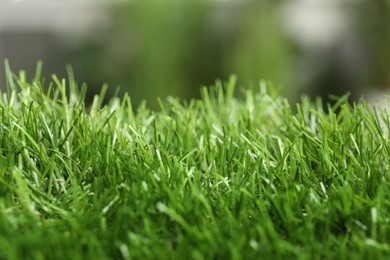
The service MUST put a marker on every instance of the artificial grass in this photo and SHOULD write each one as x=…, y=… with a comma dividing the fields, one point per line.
x=216, y=178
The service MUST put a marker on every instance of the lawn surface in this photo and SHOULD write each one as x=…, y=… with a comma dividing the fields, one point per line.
x=216, y=178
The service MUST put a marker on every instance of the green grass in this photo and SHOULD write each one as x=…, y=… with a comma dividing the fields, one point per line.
x=215, y=178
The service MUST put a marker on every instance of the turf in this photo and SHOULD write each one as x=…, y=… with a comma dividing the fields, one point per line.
x=216, y=178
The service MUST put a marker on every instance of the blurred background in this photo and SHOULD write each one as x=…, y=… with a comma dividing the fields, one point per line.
x=155, y=48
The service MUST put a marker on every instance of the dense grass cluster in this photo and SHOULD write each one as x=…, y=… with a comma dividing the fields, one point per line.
x=215, y=178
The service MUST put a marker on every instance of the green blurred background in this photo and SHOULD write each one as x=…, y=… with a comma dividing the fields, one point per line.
x=158, y=48
x=155, y=48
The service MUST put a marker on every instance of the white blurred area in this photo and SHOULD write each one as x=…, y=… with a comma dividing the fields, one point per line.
x=316, y=24
x=32, y=30
x=55, y=16
x=325, y=31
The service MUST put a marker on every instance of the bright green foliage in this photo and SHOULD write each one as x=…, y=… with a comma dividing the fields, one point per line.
x=215, y=178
